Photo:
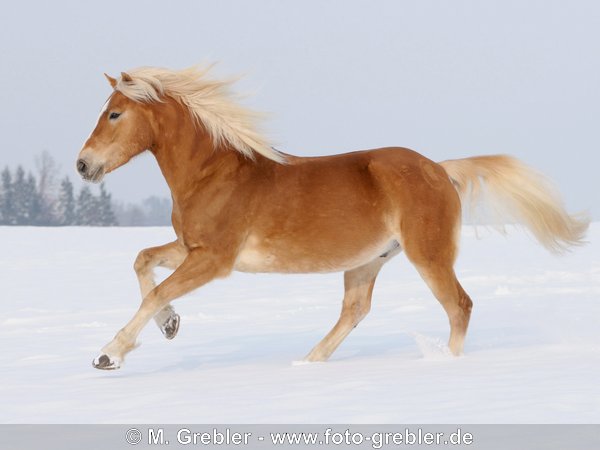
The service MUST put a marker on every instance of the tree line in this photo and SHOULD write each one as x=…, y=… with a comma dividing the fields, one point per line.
x=38, y=200
x=22, y=202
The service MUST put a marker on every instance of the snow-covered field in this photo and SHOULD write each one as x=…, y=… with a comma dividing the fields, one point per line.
x=532, y=353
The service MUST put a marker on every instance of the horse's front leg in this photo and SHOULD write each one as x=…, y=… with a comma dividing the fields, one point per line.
x=171, y=256
x=198, y=268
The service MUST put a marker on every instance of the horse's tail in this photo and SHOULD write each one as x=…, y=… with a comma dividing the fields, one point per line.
x=516, y=193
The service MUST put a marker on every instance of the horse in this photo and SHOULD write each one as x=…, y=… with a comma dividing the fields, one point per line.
x=241, y=205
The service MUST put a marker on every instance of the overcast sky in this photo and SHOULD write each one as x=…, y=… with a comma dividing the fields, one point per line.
x=446, y=78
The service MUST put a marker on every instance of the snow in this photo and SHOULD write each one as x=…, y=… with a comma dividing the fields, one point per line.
x=532, y=352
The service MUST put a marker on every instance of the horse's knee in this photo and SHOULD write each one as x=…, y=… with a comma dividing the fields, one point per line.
x=141, y=261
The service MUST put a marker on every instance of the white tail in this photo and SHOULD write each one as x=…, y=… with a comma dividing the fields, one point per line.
x=517, y=194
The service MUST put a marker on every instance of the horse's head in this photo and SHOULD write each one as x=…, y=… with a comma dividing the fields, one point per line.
x=150, y=108
x=123, y=131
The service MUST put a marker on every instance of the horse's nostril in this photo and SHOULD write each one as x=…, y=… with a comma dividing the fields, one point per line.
x=82, y=167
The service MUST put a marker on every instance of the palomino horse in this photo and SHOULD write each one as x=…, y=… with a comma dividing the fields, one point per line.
x=238, y=204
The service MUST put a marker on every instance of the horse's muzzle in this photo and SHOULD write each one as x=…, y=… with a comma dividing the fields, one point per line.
x=89, y=173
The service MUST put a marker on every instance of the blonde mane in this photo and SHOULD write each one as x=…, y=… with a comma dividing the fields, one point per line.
x=210, y=102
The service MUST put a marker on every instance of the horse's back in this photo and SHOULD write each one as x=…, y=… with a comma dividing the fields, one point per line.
x=418, y=201
x=404, y=177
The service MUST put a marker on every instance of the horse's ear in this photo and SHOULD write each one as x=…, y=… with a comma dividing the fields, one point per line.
x=126, y=77
x=111, y=80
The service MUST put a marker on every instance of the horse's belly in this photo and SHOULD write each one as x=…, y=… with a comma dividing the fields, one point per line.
x=257, y=256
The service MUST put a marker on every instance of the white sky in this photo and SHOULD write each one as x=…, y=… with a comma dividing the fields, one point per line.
x=448, y=79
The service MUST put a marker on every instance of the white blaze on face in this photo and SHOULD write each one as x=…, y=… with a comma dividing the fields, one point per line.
x=104, y=108
x=102, y=111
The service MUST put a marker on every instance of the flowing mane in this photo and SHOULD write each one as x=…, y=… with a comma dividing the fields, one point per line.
x=210, y=101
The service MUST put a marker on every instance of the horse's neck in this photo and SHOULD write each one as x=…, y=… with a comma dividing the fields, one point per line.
x=189, y=161
x=185, y=162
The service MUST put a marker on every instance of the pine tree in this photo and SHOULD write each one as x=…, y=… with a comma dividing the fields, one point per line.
x=66, y=204
x=21, y=212
x=106, y=215
x=7, y=205
x=85, y=210
x=27, y=203
x=33, y=202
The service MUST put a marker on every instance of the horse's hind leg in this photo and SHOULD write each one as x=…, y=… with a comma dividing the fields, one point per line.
x=170, y=256
x=358, y=285
x=434, y=259
x=446, y=288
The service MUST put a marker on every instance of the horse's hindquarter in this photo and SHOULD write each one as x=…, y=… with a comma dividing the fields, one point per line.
x=332, y=213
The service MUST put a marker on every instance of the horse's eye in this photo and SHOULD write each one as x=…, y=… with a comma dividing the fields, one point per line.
x=114, y=115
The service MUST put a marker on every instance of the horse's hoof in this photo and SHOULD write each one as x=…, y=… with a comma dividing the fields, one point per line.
x=171, y=326
x=103, y=362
